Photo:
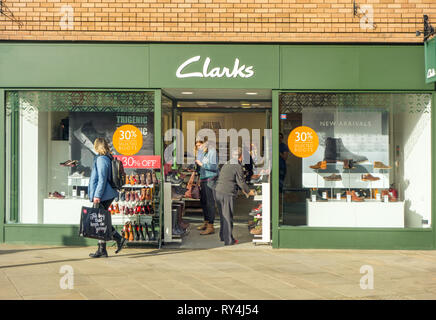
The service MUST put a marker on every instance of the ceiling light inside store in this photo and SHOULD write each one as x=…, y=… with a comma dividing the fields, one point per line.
x=187, y=92
x=251, y=93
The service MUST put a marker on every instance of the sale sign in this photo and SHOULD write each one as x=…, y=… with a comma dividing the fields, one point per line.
x=140, y=162
x=127, y=140
x=303, y=142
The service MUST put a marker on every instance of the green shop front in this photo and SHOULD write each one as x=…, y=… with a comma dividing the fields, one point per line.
x=360, y=177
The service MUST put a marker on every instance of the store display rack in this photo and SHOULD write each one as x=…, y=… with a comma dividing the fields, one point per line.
x=265, y=237
x=155, y=219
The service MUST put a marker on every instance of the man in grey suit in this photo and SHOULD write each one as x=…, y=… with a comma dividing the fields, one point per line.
x=231, y=177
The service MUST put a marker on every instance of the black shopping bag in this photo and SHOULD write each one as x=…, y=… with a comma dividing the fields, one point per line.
x=95, y=223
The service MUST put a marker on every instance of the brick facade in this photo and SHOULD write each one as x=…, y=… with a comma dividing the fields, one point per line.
x=215, y=20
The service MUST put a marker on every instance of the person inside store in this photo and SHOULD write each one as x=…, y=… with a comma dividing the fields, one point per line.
x=284, y=151
x=230, y=180
x=207, y=164
x=101, y=192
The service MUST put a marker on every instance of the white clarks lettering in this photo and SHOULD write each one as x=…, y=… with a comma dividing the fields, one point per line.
x=431, y=73
x=242, y=71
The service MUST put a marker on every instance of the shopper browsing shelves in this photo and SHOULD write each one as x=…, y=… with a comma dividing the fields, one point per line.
x=231, y=177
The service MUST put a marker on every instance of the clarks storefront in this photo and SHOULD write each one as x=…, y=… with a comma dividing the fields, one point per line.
x=351, y=143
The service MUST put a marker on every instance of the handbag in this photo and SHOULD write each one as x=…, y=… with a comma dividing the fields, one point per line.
x=192, y=189
x=95, y=223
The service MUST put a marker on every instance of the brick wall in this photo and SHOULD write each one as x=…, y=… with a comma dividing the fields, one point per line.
x=215, y=20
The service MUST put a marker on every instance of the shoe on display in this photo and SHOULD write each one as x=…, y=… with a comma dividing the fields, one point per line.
x=320, y=165
x=69, y=163
x=256, y=231
x=131, y=233
x=141, y=233
x=369, y=177
x=336, y=151
x=381, y=165
x=142, y=179
x=174, y=179
x=153, y=231
x=349, y=164
x=176, y=229
x=333, y=177
x=147, y=231
x=137, y=181
x=148, y=178
x=154, y=178
x=354, y=196
x=56, y=195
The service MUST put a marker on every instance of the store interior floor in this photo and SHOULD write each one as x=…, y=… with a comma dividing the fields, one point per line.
x=193, y=240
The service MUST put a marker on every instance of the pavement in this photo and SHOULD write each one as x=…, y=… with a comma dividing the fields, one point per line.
x=236, y=272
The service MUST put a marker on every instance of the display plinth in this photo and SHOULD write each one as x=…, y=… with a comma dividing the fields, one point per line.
x=64, y=211
x=366, y=214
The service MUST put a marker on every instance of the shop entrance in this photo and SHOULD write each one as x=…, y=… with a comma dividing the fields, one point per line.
x=238, y=113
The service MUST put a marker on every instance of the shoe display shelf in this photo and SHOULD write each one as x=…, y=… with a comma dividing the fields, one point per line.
x=169, y=237
x=265, y=197
x=156, y=219
x=365, y=214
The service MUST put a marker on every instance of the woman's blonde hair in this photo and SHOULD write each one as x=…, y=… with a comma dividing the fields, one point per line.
x=102, y=147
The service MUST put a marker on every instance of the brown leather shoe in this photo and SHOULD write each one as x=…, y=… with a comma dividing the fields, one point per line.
x=333, y=177
x=256, y=231
x=369, y=177
x=320, y=165
x=381, y=165
x=203, y=226
x=209, y=230
x=354, y=196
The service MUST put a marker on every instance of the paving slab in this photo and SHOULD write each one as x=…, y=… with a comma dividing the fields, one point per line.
x=235, y=272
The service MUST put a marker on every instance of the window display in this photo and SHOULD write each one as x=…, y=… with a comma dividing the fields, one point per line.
x=49, y=164
x=371, y=166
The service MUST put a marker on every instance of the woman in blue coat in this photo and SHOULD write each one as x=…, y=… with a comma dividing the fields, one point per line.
x=100, y=191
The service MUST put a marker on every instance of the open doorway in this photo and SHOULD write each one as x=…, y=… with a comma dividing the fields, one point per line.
x=216, y=111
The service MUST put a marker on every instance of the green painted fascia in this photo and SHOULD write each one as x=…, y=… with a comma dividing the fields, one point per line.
x=74, y=65
x=352, y=67
x=335, y=238
x=2, y=163
x=165, y=59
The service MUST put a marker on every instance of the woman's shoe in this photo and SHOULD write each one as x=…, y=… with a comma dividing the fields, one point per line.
x=148, y=178
x=101, y=251
x=153, y=178
x=209, y=230
x=120, y=241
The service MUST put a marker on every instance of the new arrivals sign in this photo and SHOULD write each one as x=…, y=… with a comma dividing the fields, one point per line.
x=214, y=66
x=430, y=60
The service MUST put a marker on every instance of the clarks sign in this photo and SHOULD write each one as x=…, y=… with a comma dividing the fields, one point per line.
x=237, y=70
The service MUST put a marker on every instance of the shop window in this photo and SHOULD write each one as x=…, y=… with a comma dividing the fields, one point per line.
x=366, y=162
x=50, y=137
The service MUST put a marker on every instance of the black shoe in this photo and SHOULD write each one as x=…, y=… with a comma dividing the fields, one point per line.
x=147, y=231
x=153, y=231
x=174, y=179
x=336, y=151
x=141, y=233
x=136, y=230
x=120, y=240
x=101, y=251
x=176, y=230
